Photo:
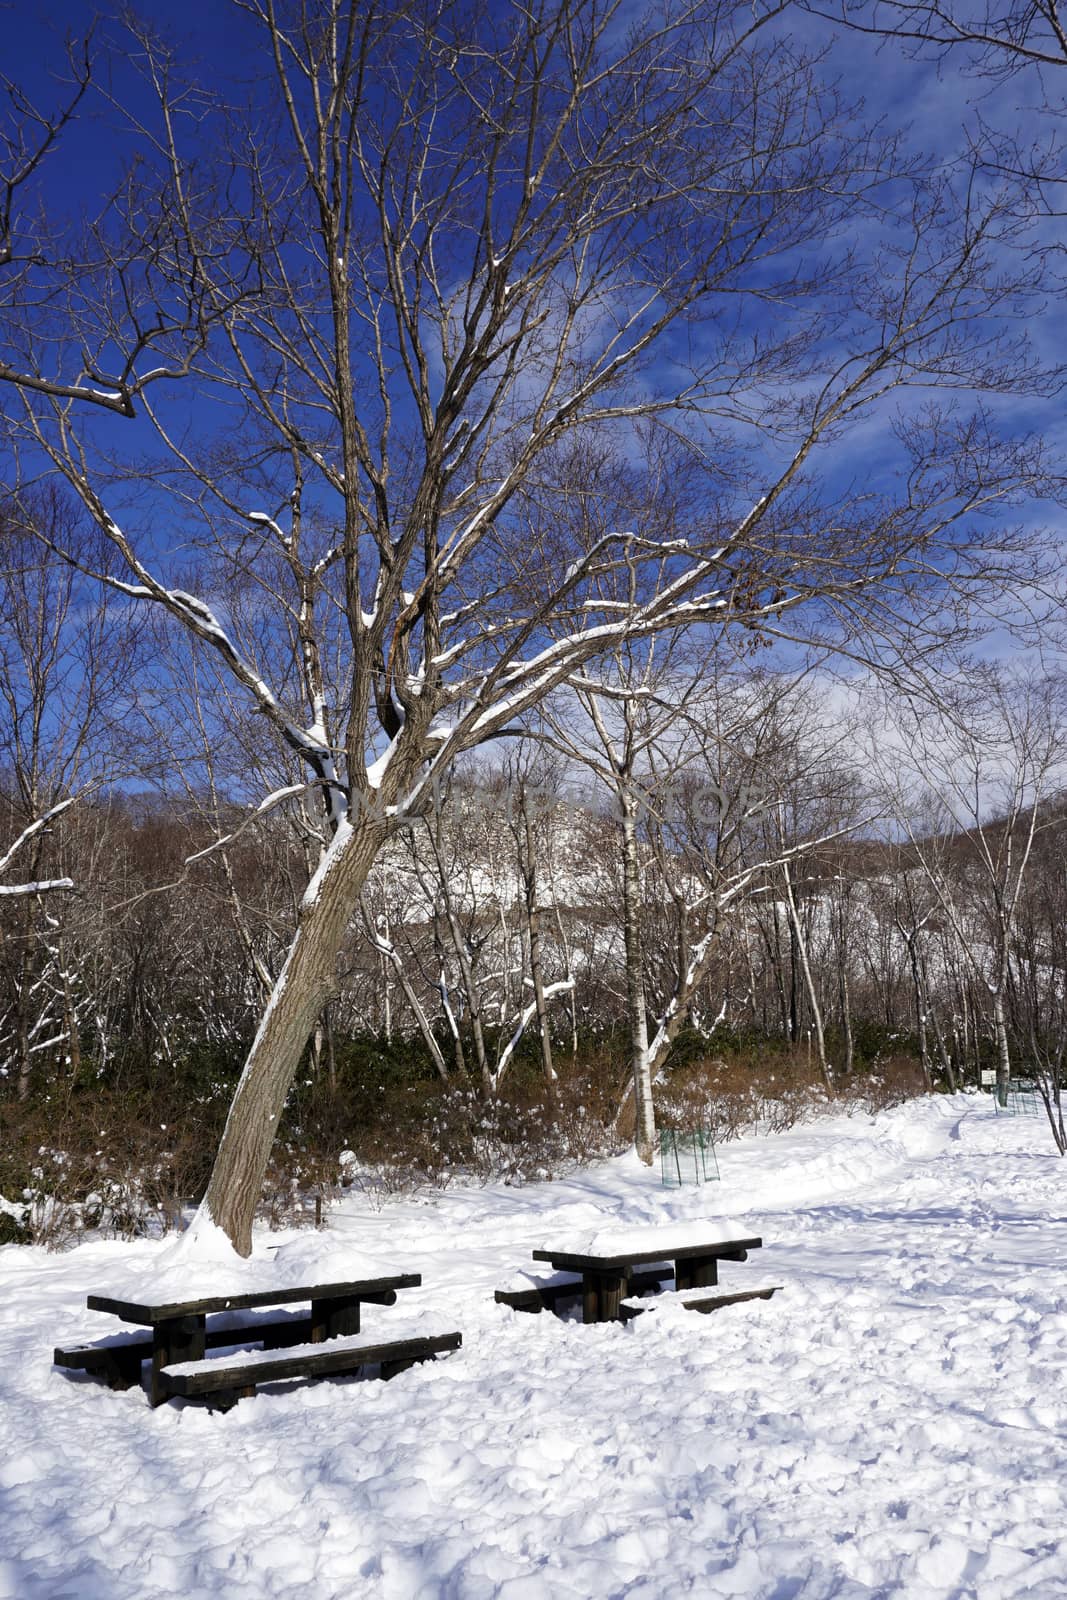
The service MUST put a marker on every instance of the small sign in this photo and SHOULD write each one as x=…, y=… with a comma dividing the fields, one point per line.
x=989, y=1077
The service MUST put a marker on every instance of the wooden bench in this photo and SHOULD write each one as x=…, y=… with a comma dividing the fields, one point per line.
x=547, y=1295
x=224, y=1382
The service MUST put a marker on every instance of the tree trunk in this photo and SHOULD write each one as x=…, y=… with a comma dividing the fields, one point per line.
x=303, y=987
x=442, y=989
x=943, y=1054
x=801, y=947
x=644, y=1111
x=422, y=1021
x=844, y=993
x=505, y=972
x=23, y=988
x=70, y=1020
x=533, y=925
x=846, y=1019
x=1000, y=1023
x=470, y=987
x=568, y=973
x=391, y=956
x=920, y=1005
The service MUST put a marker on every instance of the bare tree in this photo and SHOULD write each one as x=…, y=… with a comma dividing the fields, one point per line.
x=30, y=258
x=998, y=39
x=1038, y=981
x=970, y=782
x=698, y=754
x=373, y=326
x=1017, y=43
x=63, y=655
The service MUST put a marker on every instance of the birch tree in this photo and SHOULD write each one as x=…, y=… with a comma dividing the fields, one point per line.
x=697, y=754
x=327, y=364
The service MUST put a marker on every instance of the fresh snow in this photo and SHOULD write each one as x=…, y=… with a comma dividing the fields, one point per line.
x=894, y=1423
x=675, y=1236
x=377, y=768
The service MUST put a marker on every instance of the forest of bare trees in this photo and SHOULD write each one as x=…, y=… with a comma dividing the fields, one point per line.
x=783, y=909
x=500, y=517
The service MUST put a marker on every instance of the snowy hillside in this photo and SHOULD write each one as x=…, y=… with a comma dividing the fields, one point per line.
x=893, y=1423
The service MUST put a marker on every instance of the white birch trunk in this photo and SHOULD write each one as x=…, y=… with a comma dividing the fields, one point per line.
x=644, y=1110
x=805, y=967
x=533, y=924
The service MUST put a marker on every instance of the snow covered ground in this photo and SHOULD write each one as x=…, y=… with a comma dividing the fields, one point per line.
x=893, y=1423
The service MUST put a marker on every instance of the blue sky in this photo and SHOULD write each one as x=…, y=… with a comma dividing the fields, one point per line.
x=937, y=107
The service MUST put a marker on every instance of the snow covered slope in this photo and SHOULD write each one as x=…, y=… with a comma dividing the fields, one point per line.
x=894, y=1423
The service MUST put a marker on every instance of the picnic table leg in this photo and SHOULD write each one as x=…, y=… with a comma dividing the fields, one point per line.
x=333, y=1319
x=179, y=1339
x=696, y=1272
x=601, y=1294
x=123, y=1370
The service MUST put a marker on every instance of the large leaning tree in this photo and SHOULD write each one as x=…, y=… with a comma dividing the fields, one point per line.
x=371, y=375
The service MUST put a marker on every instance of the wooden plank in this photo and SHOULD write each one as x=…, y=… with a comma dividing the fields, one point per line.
x=712, y=1302
x=205, y=1377
x=719, y=1250
x=146, y=1313
x=703, y=1303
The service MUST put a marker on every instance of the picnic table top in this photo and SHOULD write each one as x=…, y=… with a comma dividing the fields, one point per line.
x=684, y=1243
x=285, y=1294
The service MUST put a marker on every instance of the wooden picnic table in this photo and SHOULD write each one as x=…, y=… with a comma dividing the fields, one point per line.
x=606, y=1268
x=179, y=1330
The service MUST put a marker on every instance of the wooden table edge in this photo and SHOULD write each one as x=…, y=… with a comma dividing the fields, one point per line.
x=144, y=1315
x=565, y=1261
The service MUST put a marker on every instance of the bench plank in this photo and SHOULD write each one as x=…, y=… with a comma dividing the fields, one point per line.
x=696, y=1301
x=191, y=1378
x=708, y=1303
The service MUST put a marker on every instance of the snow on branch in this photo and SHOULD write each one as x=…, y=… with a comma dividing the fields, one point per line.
x=563, y=987
x=196, y=615
x=119, y=400
x=45, y=886
x=265, y=521
x=265, y=805
x=24, y=837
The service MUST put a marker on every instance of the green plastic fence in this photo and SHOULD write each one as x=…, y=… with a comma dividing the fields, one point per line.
x=1021, y=1100
x=687, y=1158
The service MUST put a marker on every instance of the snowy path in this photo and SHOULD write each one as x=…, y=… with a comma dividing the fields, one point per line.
x=894, y=1423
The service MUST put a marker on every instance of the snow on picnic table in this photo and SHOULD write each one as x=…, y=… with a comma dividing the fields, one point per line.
x=616, y=1243
x=893, y=1423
